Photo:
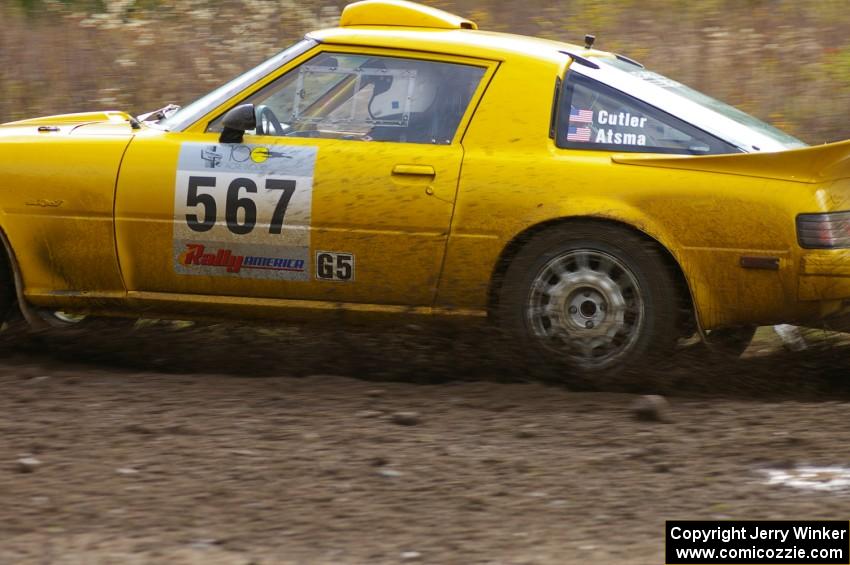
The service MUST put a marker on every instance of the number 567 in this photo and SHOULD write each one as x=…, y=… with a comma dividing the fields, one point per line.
x=235, y=203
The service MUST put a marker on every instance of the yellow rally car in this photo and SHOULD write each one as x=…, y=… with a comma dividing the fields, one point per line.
x=407, y=164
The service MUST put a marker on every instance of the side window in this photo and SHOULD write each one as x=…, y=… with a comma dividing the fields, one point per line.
x=366, y=97
x=593, y=115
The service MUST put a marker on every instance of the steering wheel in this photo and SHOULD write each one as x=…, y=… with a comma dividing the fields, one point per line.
x=267, y=122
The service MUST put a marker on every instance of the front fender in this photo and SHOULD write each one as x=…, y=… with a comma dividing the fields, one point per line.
x=56, y=197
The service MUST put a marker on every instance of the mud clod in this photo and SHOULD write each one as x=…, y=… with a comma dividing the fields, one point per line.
x=651, y=408
x=27, y=464
x=406, y=418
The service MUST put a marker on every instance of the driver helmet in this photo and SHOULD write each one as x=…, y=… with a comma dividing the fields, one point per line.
x=389, y=98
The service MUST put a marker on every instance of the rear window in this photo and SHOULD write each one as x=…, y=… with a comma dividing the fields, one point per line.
x=687, y=93
x=592, y=115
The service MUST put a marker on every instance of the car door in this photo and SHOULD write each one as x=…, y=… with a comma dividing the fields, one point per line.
x=344, y=192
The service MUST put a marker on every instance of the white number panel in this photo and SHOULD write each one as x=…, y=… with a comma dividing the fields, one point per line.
x=244, y=210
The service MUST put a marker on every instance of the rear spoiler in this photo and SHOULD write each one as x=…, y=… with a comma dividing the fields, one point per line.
x=817, y=164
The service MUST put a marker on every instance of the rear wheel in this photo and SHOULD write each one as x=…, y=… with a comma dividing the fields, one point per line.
x=590, y=296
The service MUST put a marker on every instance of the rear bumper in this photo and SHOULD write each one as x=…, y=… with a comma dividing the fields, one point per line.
x=825, y=276
x=824, y=284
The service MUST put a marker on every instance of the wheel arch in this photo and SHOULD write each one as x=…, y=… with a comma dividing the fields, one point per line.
x=690, y=317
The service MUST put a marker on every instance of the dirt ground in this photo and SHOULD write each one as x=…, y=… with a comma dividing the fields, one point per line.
x=254, y=445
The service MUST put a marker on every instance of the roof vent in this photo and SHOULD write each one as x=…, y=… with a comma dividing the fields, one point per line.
x=400, y=13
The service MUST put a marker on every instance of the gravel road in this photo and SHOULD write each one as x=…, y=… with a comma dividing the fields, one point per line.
x=216, y=444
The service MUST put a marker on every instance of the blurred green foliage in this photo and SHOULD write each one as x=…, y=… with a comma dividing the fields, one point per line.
x=34, y=6
x=786, y=61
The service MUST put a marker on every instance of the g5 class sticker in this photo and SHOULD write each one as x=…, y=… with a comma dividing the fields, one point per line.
x=244, y=210
x=331, y=266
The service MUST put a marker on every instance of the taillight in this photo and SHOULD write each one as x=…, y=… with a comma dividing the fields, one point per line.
x=824, y=231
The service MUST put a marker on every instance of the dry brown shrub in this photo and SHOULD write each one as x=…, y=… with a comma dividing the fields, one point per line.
x=786, y=61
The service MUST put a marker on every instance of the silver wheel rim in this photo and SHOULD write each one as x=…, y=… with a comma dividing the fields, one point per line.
x=586, y=305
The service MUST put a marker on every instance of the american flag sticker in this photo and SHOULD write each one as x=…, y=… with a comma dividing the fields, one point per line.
x=578, y=134
x=578, y=116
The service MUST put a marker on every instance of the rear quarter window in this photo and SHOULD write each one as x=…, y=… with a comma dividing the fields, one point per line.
x=592, y=115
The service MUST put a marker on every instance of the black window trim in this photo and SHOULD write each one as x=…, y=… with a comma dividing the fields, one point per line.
x=566, y=95
x=556, y=102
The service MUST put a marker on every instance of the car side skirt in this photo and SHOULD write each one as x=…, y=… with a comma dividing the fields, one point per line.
x=236, y=308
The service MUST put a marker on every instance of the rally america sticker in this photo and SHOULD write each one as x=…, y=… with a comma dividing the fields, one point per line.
x=255, y=261
x=244, y=210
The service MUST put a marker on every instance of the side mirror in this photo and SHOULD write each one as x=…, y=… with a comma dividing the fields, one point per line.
x=236, y=122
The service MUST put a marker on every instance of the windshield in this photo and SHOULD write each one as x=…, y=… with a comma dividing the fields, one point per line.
x=707, y=102
x=200, y=107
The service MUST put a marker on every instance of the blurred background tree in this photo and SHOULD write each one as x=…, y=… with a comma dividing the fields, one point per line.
x=786, y=61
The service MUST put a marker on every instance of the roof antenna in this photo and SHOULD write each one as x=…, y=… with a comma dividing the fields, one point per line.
x=588, y=41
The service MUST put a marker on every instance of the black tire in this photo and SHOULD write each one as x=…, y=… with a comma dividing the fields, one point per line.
x=8, y=296
x=636, y=321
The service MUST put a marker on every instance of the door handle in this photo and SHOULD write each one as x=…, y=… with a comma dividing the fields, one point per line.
x=420, y=170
